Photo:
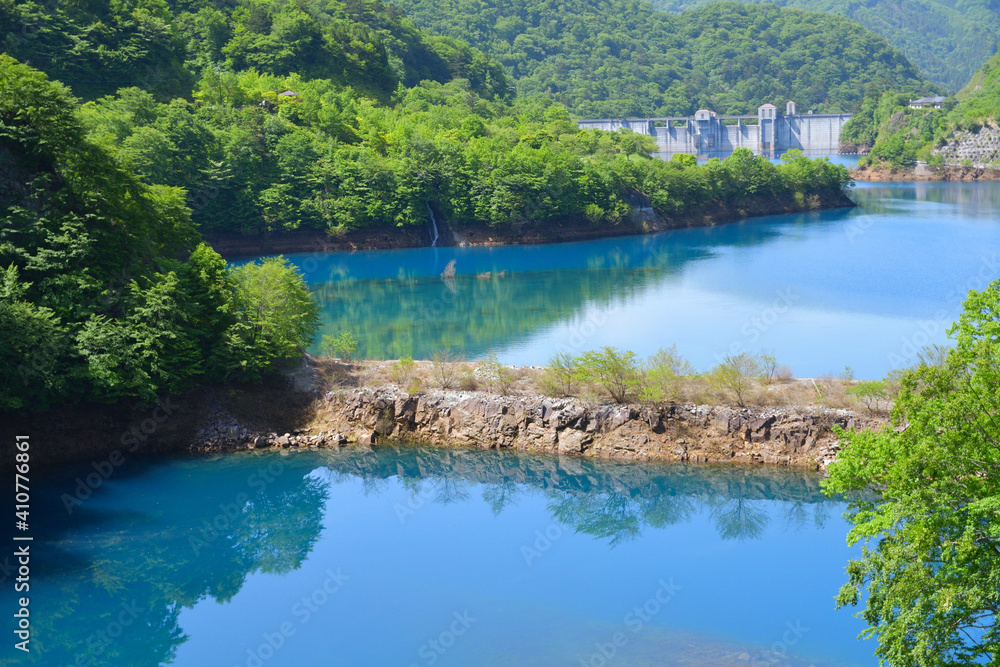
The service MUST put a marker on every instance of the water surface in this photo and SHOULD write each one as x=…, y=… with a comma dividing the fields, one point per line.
x=408, y=556
x=865, y=287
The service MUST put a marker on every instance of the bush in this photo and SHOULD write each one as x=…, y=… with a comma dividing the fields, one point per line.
x=444, y=369
x=561, y=375
x=664, y=371
x=736, y=377
x=498, y=377
x=342, y=346
x=871, y=394
x=618, y=373
x=402, y=371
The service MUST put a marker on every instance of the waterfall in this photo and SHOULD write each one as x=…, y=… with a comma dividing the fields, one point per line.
x=434, y=226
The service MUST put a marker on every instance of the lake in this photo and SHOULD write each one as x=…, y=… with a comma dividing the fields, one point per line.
x=417, y=556
x=866, y=287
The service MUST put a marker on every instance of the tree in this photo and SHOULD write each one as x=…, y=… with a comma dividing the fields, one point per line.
x=276, y=317
x=736, y=377
x=925, y=501
x=618, y=373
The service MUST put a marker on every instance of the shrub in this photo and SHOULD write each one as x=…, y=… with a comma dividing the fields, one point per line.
x=871, y=394
x=735, y=377
x=560, y=377
x=467, y=380
x=402, y=371
x=342, y=346
x=498, y=377
x=664, y=371
x=768, y=367
x=618, y=373
x=784, y=373
x=444, y=369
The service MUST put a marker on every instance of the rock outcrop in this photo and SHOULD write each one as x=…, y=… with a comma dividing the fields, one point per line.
x=695, y=433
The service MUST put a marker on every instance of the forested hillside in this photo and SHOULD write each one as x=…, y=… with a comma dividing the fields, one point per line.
x=266, y=117
x=948, y=41
x=620, y=58
x=962, y=132
x=163, y=46
x=105, y=293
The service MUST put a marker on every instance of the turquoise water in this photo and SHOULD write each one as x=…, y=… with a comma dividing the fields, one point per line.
x=866, y=287
x=447, y=557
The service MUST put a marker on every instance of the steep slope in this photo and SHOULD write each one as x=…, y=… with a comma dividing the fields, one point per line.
x=946, y=40
x=621, y=58
x=99, y=46
x=966, y=132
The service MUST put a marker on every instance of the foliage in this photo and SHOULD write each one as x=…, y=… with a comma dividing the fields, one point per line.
x=898, y=135
x=620, y=58
x=736, y=377
x=663, y=374
x=618, y=373
x=164, y=46
x=499, y=377
x=925, y=500
x=402, y=371
x=560, y=375
x=946, y=41
x=342, y=346
x=94, y=302
x=871, y=394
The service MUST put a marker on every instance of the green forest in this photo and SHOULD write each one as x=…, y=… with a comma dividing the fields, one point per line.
x=948, y=41
x=182, y=118
x=617, y=58
x=898, y=136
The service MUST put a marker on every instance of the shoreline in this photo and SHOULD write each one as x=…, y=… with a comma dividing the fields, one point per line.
x=924, y=173
x=292, y=412
x=643, y=220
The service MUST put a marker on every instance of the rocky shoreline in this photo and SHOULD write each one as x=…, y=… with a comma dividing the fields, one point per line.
x=215, y=422
x=922, y=172
x=644, y=219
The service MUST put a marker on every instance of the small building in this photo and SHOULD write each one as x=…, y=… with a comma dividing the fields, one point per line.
x=289, y=95
x=927, y=103
x=704, y=114
x=790, y=108
x=767, y=112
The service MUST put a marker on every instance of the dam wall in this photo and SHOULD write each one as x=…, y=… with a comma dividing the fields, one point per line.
x=706, y=134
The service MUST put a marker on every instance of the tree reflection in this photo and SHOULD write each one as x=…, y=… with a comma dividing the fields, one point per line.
x=109, y=585
x=611, y=501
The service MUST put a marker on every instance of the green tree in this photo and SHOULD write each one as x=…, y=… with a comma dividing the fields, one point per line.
x=276, y=318
x=618, y=373
x=925, y=501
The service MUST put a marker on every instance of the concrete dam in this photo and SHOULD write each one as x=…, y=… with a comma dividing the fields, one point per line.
x=706, y=134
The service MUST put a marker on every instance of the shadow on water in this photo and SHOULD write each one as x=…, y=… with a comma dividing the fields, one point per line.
x=160, y=536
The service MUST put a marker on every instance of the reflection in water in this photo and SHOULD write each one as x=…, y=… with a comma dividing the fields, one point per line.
x=160, y=538
x=861, y=282
x=607, y=500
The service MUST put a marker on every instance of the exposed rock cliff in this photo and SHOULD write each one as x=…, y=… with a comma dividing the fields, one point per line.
x=697, y=433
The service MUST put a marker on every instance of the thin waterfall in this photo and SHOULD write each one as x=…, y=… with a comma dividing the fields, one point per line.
x=434, y=226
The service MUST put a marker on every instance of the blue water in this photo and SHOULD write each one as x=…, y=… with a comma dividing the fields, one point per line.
x=407, y=556
x=866, y=287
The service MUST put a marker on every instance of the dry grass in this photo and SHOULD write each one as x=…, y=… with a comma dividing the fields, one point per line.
x=828, y=391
